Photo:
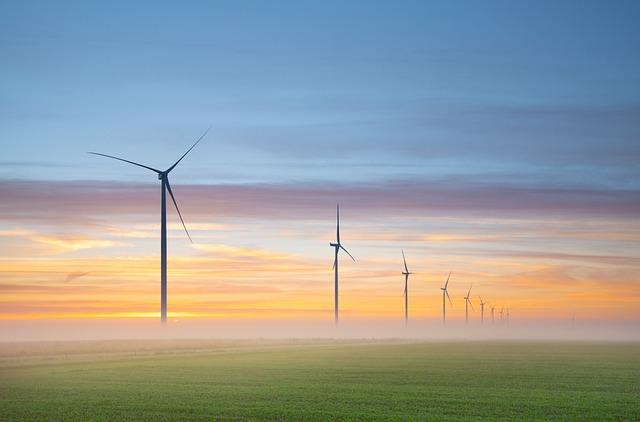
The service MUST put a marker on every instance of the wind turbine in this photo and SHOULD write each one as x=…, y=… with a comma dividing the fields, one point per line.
x=467, y=302
x=507, y=316
x=501, y=312
x=482, y=303
x=406, y=274
x=337, y=245
x=163, y=176
x=445, y=292
x=493, y=308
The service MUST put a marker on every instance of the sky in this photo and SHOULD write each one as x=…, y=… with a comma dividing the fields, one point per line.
x=497, y=140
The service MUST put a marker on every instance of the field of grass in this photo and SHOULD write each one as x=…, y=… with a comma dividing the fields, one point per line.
x=320, y=380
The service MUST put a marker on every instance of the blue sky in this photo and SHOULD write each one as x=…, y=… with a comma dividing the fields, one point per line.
x=530, y=92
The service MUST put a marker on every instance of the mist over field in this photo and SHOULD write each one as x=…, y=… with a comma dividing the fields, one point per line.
x=149, y=329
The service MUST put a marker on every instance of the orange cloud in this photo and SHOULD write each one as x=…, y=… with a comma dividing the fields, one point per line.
x=68, y=243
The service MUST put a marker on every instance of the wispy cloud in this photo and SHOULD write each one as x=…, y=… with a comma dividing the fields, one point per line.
x=75, y=275
x=66, y=243
x=73, y=201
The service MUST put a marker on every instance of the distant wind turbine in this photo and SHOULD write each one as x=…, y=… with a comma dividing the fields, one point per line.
x=406, y=274
x=467, y=302
x=482, y=303
x=493, y=308
x=501, y=312
x=445, y=292
x=163, y=176
x=507, y=316
x=337, y=245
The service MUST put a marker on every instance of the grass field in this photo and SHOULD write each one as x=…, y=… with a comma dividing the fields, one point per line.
x=320, y=380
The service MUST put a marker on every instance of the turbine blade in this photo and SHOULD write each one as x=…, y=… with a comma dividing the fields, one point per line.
x=177, y=209
x=338, y=223
x=447, y=283
x=471, y=303
x=447, y=292
x=189, y=150
x=342, y=247
x=469, y=290
x=126, y=161
x=405, y=262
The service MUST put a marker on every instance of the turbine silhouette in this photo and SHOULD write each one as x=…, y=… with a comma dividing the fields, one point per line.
x=165, y=187
x=467, y=302
x=482, y=303
x=337, y=246
x=445, y=292
x=406, y=274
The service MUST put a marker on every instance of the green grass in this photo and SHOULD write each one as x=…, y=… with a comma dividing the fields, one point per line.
x=321, y=381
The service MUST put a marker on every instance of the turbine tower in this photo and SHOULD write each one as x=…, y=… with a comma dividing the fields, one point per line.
x=445, y=292
x=482, y=303
x=337, y=246
x=467, y=302
x=165, y=187
x=406, y=274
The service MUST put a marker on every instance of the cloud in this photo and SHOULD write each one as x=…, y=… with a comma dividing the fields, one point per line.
x=73, y=276
x=59, y=243
x=409, y=131
x=238, y=252
x=15, y=233
x=70, y=243
x=86, y=202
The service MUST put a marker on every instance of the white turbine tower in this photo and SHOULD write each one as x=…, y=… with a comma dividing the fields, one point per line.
x=165, y=187
x=337, y=246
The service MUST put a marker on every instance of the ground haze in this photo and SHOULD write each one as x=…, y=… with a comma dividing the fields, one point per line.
x=319, y=380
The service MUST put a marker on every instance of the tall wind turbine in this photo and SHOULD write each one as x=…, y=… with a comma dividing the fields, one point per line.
x=163, y=176
x=406, y=274
x=445, y=292
x=467, y=302
x=337, y=245
x=482, y=303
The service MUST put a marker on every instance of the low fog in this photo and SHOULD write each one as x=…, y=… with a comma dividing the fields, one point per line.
x=147, y=328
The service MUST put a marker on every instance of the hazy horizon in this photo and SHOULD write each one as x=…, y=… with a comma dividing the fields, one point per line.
x=419, y=329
